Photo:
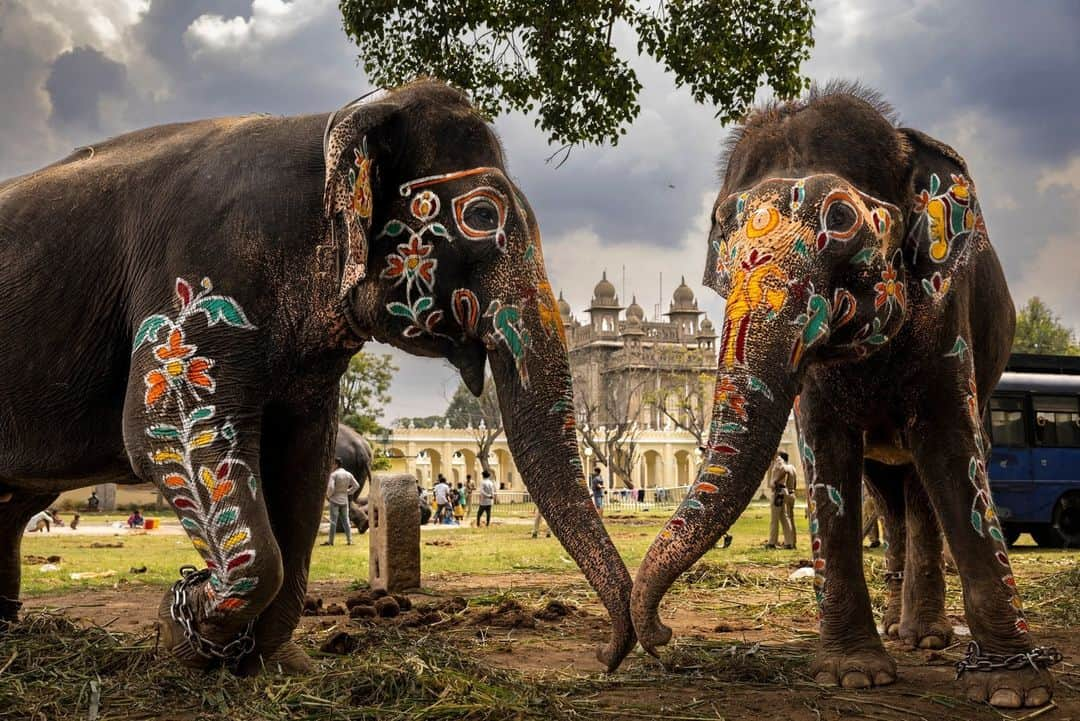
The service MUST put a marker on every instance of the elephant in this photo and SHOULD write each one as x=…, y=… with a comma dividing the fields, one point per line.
x=229, y=268
x=355, y=454
x=867, y=297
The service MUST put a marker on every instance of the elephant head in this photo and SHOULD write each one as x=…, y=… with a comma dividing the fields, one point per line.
x=442, y=257
x=817, y=236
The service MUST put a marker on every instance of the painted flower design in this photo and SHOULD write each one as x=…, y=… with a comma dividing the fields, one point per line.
x=412, y=262
x=728, y=396
x=360, y=203
x=424, y=205
x=178, y=369
x=888, y=290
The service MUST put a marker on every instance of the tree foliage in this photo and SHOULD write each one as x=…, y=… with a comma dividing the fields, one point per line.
x=364, y=390
x=1040, y=330
x=557, y=57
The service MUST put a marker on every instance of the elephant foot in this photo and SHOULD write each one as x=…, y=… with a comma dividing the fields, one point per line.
x=289, y=659
x=1026, y=687
x=177, y=643
x=862, y=668
x=936, y=634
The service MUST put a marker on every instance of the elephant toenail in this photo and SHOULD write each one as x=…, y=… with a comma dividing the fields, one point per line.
x=932, y=642
x=883, y=678
x=1037, y=697
x=855, y=679
x=1005, y=698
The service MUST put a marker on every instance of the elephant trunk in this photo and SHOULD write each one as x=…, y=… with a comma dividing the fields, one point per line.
x=750, y=411
x=538, y=417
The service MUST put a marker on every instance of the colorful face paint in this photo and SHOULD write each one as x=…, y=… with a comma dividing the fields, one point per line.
x=509, y=330
x=493, y=204
x=201, y=470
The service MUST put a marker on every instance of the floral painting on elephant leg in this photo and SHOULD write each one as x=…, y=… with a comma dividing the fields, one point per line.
x=196, y=454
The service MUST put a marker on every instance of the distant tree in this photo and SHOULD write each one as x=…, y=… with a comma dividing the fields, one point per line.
x=1040, y=330
x=480, y=415
x=557, y=57
x=364, y=391
x=421, y=421
x=609, y=425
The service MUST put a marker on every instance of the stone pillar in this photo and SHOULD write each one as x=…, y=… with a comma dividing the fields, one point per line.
x=394, y=533
x=106, y=493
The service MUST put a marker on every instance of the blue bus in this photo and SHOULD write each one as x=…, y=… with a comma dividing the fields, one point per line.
x=1034, y=468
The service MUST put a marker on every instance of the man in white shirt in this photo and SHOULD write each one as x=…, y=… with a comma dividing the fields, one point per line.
x=487, y=498
x=40, y=521
x=342, y=484
x=443, y=507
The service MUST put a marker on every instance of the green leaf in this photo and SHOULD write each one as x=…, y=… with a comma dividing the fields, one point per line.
x=834, y=495
x=393, y=228
x=164, y=431
x=400, y=309
x=148, y=330
x=977, y=522
x=220, y=309
x=973, y=467
x=995, y=533
x=439, y=229
x=864, y=256
x=227, y=516
x=200, y=414
x=732, y=428
x=190, y=524
x=423, y=303
x=228, y=431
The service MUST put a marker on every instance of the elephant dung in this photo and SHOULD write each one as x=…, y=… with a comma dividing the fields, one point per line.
x=394, y=533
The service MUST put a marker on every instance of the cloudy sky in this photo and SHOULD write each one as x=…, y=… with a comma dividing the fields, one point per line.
x=999, y=81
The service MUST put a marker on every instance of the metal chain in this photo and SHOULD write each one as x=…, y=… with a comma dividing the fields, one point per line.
x=184, y=615
x=1036, y=658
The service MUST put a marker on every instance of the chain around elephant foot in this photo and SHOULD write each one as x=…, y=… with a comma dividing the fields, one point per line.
x=198, y=644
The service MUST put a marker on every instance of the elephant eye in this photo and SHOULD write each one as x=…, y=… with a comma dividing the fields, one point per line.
x=481, y=215
x=840, y=217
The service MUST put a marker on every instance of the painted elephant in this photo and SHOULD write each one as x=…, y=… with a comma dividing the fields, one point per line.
x=225, y=271
x=866, y=295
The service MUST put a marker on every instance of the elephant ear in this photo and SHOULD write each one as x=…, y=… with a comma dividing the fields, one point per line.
x=718, y=259
x=944, y=222
x=350, y=144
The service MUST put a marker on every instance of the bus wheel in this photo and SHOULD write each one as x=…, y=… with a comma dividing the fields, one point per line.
x=1011, y=533
x=1064, y=531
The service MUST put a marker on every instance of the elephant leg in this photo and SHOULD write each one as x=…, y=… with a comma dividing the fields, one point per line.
x=850, y=653
x=296, y=455
x=199, y=444
x=886, y=484
x=950, y=449
x=15, y=513
x=923, y=623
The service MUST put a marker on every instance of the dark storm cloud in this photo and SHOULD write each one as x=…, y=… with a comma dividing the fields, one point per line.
x=78, y=80
x=161, y=29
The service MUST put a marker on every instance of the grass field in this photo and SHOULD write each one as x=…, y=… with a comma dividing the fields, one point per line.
x=503, y=548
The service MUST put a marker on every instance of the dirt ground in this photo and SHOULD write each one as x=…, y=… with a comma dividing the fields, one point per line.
x=740, y=653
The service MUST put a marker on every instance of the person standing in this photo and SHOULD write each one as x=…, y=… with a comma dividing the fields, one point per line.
x=93, y=502
x=459, y=499
x=443, y=509
x=596, y=485
x=341, y=485
x=791, y=481
x=778, y=513
x=487, y=498
x=538, y=520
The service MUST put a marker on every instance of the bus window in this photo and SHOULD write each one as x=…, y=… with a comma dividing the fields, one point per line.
x=1057, y=421
x=1007, y=421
